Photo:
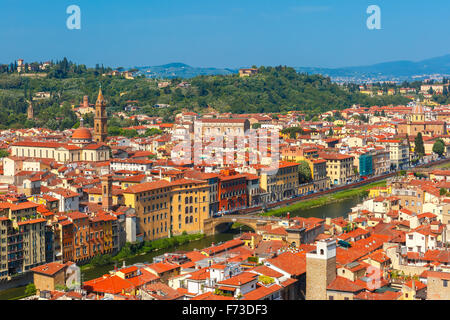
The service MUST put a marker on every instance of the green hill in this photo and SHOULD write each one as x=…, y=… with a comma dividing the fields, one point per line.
x=273, y=89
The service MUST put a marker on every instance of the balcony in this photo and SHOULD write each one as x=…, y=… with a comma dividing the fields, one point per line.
x=15, y=259
x=15, y=242
x=15, y=250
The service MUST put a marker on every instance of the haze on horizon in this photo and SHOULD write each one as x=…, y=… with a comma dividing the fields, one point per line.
x=224, y=34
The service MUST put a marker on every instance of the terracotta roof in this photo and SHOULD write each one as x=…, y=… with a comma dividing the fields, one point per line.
x=108, y=284
x=211, y=296
x=148, y=186
x=387, y=295
x=267, y=271
x=345, y=285
x=292, y=263
x=437, y=274
x=49, y=269
x=161, y=291
x=239, y=279
x=418, y=285
x=261, y=292
x=161, y=267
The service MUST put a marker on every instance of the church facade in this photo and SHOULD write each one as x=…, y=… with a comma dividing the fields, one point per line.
x=82, y=147
x=416, y=123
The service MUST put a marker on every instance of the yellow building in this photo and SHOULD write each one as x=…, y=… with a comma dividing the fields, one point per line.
x=151, y=200
x=95, y=195
x=413, y=290
x=305, y=188
x=166, y=208
x=297, y=154
x=368, y=92
x=48, y=201
x=189, y=206
x=378, y=191
x=339, y=123
x=340, y=167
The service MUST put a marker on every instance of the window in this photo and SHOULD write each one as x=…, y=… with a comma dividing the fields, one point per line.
x=445, y=283
x=330, y=298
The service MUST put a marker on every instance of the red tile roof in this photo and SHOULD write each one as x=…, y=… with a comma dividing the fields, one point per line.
x=49, y=269
x=240, y=279
x=292, y=263
x=262, y=292
x=345, y=285
x=161, y=267
x=267, y=271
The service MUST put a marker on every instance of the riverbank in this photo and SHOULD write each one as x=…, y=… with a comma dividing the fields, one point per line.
x=324, y=200
x=130, y=251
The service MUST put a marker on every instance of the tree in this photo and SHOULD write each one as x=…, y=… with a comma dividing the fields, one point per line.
x=439, y=147
x=30, y=289
x=418, y=145
x=4, y=153
x=304, y=172
x=442, y=191
x=60, y=287
x=292, y=131
x=152, y=132
x=256, y=125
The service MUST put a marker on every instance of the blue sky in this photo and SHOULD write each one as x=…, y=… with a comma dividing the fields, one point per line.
x=224, y=33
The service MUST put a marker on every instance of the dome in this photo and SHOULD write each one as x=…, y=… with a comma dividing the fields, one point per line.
x=82, y=134
x=418, y=108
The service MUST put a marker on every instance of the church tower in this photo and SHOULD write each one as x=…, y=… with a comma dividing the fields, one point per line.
x=106, y=192
x=320, y=269
x=30, y=111
x=100, y=119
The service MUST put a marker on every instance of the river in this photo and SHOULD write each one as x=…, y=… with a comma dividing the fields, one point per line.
x=331, y=210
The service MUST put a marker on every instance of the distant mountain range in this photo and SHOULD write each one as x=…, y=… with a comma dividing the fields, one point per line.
x=387, y=71
x=396, y=70
x=181, y=70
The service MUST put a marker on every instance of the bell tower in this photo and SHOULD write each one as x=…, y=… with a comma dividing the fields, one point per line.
x=100, y=119
x=106, y=182
x=320, y=269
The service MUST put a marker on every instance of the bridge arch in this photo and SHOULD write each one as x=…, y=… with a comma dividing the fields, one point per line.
x=225, y=225
x=215, y=225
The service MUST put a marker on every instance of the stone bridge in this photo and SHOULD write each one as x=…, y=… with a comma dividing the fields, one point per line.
x=219, y=224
